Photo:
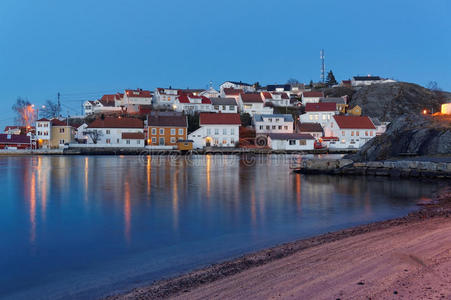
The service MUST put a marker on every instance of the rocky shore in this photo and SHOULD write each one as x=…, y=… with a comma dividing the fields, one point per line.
x=437, y=208
x=393, y=168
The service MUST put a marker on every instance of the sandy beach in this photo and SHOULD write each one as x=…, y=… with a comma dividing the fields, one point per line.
x=405, y=258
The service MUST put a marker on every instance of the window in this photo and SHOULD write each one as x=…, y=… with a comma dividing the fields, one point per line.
x=39, y=125
x=127, y=142
x=310, y=117
x=324, y=117
x=154, y=140
x=371, y=133
x=61, y=142
x=343, y=133
x=232, y=141
x=366, y=133
x=138, y=142
x=261, y=127
x=277, y=119
x=280, y=127
x=172, y=140
x=352, y=133
x=270, y=119
x=224, y=107
x=292, y=142
x=61, y=130
x=216, y=107
x=231, y=107
x=154, y=131
x=208, y=131
x=316, y=117
x=108, y=141
x=232, y=131
x=181, y=131
x=357, y=133
x=224, y=131
x=267, y=127
x=117, y=141
x=172, y=131
x=302, y=142
x=162, y=141
x=224, y=141
x=216, y=131
x=273, y=127
x=161, y=131
x=343, y=141
x=285, y=127
x=108, y=131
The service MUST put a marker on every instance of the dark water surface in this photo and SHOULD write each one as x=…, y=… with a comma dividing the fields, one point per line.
x=84, y=227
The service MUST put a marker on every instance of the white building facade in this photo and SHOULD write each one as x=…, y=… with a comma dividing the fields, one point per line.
x=273, y=123
x=351, y=132
x=291, y=141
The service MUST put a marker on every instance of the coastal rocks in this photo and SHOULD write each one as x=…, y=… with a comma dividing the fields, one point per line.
x=416, y=169
x=409, y=135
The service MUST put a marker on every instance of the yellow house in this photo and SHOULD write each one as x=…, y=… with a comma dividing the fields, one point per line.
x=355, y=111
x=61, y=134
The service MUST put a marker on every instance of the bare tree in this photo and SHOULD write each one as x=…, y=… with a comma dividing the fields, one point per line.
x=433, y=86
x=292, y=81
x=50, y=110
x=94, y=135
x=25, y=113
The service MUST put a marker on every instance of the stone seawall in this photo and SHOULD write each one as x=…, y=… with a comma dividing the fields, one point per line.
x=402, y=168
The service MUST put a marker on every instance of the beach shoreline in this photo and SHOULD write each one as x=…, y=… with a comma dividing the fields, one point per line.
x=436, y=209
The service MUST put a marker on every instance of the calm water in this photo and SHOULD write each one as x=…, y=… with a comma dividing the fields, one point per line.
x=82, y=227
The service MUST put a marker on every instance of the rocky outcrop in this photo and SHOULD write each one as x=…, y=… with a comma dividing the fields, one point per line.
x=415, y=135
x=402, y=168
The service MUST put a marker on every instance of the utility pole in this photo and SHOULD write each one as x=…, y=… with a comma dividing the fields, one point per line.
x=323, y=66
x=59, y=105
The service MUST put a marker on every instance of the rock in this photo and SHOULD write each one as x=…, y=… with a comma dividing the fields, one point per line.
x=375, y=164
x=362, y=165
x=389, y=164
x=344, y=162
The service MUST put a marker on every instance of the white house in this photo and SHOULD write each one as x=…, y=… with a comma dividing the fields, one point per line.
x=110, y=103
x=291, y=141
x=190, y=104
x=165, y=97
x=365, y=80
x=224, y=105
x=381, y=127
x=273, y=123
x=210, y=93
x=44, y=132
x=280, y=99
x=252, y=103
x=311, y=97
x=216, y=130
x=237, y=85
x=350, y=131
x=116, y=132
x=232, y=93
x=318, y=113
x=134, y=98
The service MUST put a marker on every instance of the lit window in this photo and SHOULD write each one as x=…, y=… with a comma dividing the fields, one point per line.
x=352, y=133
x=342, y=133
x=154, y=140
x=357, y=133
x=154, y=131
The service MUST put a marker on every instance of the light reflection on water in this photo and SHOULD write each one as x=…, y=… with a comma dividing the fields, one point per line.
x=85, y=226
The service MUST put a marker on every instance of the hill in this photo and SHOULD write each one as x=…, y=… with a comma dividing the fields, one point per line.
x=387, y=101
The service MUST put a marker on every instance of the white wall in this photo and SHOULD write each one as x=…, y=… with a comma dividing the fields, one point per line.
x=322, y=117
x=279, y=126
x=115, y=137
x=285, y=144
x=306, y=100
x=217, y=134
x=348, y=138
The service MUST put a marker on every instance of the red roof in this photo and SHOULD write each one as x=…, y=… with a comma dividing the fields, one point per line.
x=185, y=98
x=354, y=122
x=328, y=106
x=251, y=98
x=43, y=120
x=139, y=93
x=111, y=122
x=205, y=100
x=219, y=119
x=14, y=139
x=233, y=92
x=56, y=122
x=266, y=95
x=133, y=135
x=310, y=127
x=313, y=94
x=285, y=96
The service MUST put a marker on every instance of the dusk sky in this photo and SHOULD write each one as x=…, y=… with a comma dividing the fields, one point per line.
x=86, y=48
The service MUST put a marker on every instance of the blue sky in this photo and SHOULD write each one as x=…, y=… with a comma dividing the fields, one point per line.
x=86, y=48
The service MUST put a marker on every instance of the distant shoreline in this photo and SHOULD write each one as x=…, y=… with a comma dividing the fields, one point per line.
x=438, y=207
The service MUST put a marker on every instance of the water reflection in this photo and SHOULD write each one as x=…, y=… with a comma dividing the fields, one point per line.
x=97, y=214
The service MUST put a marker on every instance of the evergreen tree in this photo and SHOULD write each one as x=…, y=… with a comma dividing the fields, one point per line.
x=330, y=80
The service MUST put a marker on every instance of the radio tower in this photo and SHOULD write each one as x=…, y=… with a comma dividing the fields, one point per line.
x=323, y=66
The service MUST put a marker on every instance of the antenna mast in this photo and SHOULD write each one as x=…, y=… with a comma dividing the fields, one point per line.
x=323, y=66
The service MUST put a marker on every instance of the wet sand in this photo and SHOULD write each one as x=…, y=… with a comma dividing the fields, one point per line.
x=407, y=258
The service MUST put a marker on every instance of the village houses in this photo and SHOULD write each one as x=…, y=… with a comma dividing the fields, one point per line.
x=252, y=103
x=349, y=131
x=54, y=133
x=291, y=141
x=216, y=130
x=246, y=87
x=314, y=129
x=272, y=123
x=116, y=132
x=224, y=105
x=164, y=130
x=318, y=113
x=311, y=97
